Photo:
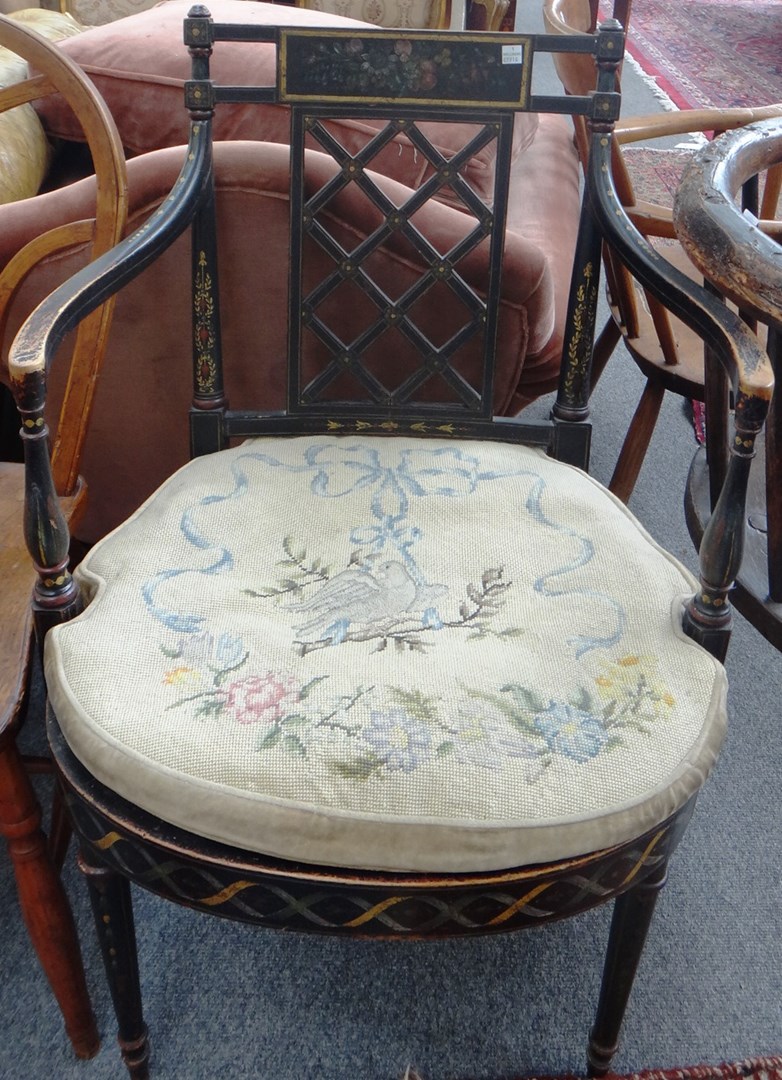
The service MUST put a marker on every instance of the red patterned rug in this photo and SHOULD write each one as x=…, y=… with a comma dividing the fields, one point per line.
x=709, y=53
x=751, y=1069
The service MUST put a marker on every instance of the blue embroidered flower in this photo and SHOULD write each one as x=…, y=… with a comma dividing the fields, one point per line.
x=570, y=731
x=398, y=739
x=221, y=652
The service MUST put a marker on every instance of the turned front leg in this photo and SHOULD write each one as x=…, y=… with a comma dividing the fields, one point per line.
x=633, y=912
x=113, y=912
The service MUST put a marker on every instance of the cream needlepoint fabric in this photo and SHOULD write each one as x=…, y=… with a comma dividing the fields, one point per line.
x=400, y=653
x=407, y=14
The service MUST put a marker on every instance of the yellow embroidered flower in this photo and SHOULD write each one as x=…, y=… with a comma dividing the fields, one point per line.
x=632, y=683
x=178, y=675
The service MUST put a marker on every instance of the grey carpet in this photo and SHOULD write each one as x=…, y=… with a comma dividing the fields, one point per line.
x=228, y=1001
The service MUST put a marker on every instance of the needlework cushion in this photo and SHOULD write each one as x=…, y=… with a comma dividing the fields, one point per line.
x=392, y=653
x=412, y=14
x=140, y=65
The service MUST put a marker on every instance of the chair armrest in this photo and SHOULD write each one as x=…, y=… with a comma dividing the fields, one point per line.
x=687, y=121
x=45, y=527
x=740, y=352
x=748, y=367
x=729, y=248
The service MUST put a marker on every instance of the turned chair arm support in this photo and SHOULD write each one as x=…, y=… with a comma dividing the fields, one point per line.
x=747, y=366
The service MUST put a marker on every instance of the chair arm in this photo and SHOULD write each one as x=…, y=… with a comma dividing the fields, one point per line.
x=56, y=595
x=745, y=361
x=727, y=247
x=707, y=617
x=686, y=121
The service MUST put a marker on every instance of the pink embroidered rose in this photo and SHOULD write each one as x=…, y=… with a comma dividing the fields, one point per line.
x=427, y=78
x=259, y=697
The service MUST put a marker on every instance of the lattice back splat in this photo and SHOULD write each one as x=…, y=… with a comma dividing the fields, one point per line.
x=365, y=282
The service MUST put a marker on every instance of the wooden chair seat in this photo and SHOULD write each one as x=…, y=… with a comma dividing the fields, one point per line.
x=685, y=376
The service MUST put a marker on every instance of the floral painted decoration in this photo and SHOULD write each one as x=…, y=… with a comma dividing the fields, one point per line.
x=390, y=67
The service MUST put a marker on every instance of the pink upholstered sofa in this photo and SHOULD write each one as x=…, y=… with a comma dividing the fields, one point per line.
x=139, y=65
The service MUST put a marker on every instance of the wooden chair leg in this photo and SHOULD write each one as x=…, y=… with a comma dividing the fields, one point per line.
x=637, y=439
x=59, y=829
x=43, y=901
x=633, y=912
x=603, y=349
x=112, y=908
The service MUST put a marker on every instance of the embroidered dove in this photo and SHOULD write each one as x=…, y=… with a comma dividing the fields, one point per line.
x=363, y=596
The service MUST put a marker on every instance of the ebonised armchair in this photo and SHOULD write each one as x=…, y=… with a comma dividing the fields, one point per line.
x=379, y=663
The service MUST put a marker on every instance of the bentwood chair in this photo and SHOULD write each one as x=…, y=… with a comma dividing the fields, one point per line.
x=378, y=663
x=742, y=258
x=42, y=898
x=666, y=350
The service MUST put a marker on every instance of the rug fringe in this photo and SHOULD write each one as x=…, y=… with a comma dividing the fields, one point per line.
x=761, y=1068
x=651, y=81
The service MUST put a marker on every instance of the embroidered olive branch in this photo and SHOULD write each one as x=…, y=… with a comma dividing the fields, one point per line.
x=633, y=713
x=306, y=573
x=346, y=703
x=487, y=600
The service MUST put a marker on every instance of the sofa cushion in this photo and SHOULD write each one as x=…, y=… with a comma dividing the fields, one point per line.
x=403, y=654
x=407, y=14
x=25, y=152
x=139, y=64
x=96, y=12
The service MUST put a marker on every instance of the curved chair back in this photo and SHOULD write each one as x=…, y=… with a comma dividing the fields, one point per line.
x=41, y=895
x=58, y=74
